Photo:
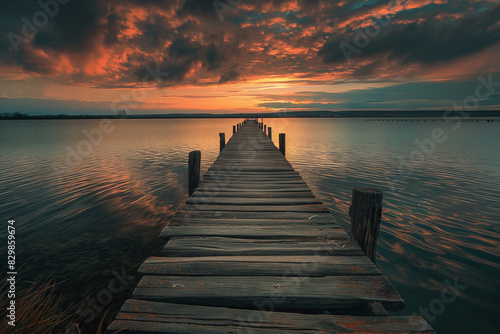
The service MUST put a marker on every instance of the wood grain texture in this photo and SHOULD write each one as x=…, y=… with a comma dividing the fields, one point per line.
x=366, y=214
x=219, y=246
x=313, y=294
x=253, y=231
x=138, y=316
x=266, y=265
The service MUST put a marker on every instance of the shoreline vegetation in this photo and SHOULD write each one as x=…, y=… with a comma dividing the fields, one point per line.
x=40, y=309
x=290, y=114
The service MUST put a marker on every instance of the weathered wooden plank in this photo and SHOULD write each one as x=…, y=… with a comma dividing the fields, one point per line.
x=248, y=176
x=242, y=173
x=264, y=162
x=252, y=160
x=311, y=266
x=244, y=182
x=247, y=179
x=253, y=194
x=320, y=223
x=252, y=187
x=314, y=294
x=254, y=167
x=258, y=188
x=204, y=200
x=138, y=316
x=219, y=246
x=224, y=230
x=256, y=215
x=313, y=208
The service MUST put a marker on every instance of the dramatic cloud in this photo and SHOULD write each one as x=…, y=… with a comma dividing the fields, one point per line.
x=114, y=44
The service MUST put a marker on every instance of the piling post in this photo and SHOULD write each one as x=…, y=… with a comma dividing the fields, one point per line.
x=265, y=126
x=234, y=129
x=222, y=141
x=270, y=133
x=193, y=171
x=282, y=143
x=366, y=213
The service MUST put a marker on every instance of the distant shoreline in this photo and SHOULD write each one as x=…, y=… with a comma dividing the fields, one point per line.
x=436, y=114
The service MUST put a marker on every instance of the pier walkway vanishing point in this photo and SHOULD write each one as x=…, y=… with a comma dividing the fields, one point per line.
x=253, y=251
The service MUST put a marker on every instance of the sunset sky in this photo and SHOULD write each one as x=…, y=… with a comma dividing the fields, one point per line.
x=96, y=56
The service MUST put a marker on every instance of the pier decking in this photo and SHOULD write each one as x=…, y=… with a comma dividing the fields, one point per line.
x=253, y=251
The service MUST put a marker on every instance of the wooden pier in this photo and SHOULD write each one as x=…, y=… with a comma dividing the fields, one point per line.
x=254, y=251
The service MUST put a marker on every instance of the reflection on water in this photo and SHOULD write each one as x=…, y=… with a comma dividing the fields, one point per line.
x=106, y=212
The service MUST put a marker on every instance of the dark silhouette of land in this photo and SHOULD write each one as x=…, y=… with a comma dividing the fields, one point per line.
x=288, y=114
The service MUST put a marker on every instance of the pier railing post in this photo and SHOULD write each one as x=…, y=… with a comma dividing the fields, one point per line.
x=234, y=129
x=270, y=133
x=282, y=143
x=366, y=213
x=193, y=171
x=222, y=141
x=265, y=126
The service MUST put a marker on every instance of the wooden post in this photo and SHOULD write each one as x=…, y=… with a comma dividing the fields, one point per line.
x=234, y=129
x=193, y=171
x=282, y=143
x=270, y=133
x=366, y=213
x=222, y=141
x=265, y=126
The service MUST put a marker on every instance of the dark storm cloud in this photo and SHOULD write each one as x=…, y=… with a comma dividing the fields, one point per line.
x=428, y=42
x=199, y=8
x=213, y=57
x=111, y=42
x=74, y=28
x=112, y=28
x=229, y=76
x=155, y=32
x=183, y=47
x=163, y=4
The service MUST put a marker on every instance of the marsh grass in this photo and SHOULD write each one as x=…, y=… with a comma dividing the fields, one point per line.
x=39, y=310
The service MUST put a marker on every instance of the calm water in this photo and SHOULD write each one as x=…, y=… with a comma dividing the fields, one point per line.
x=78, y=223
